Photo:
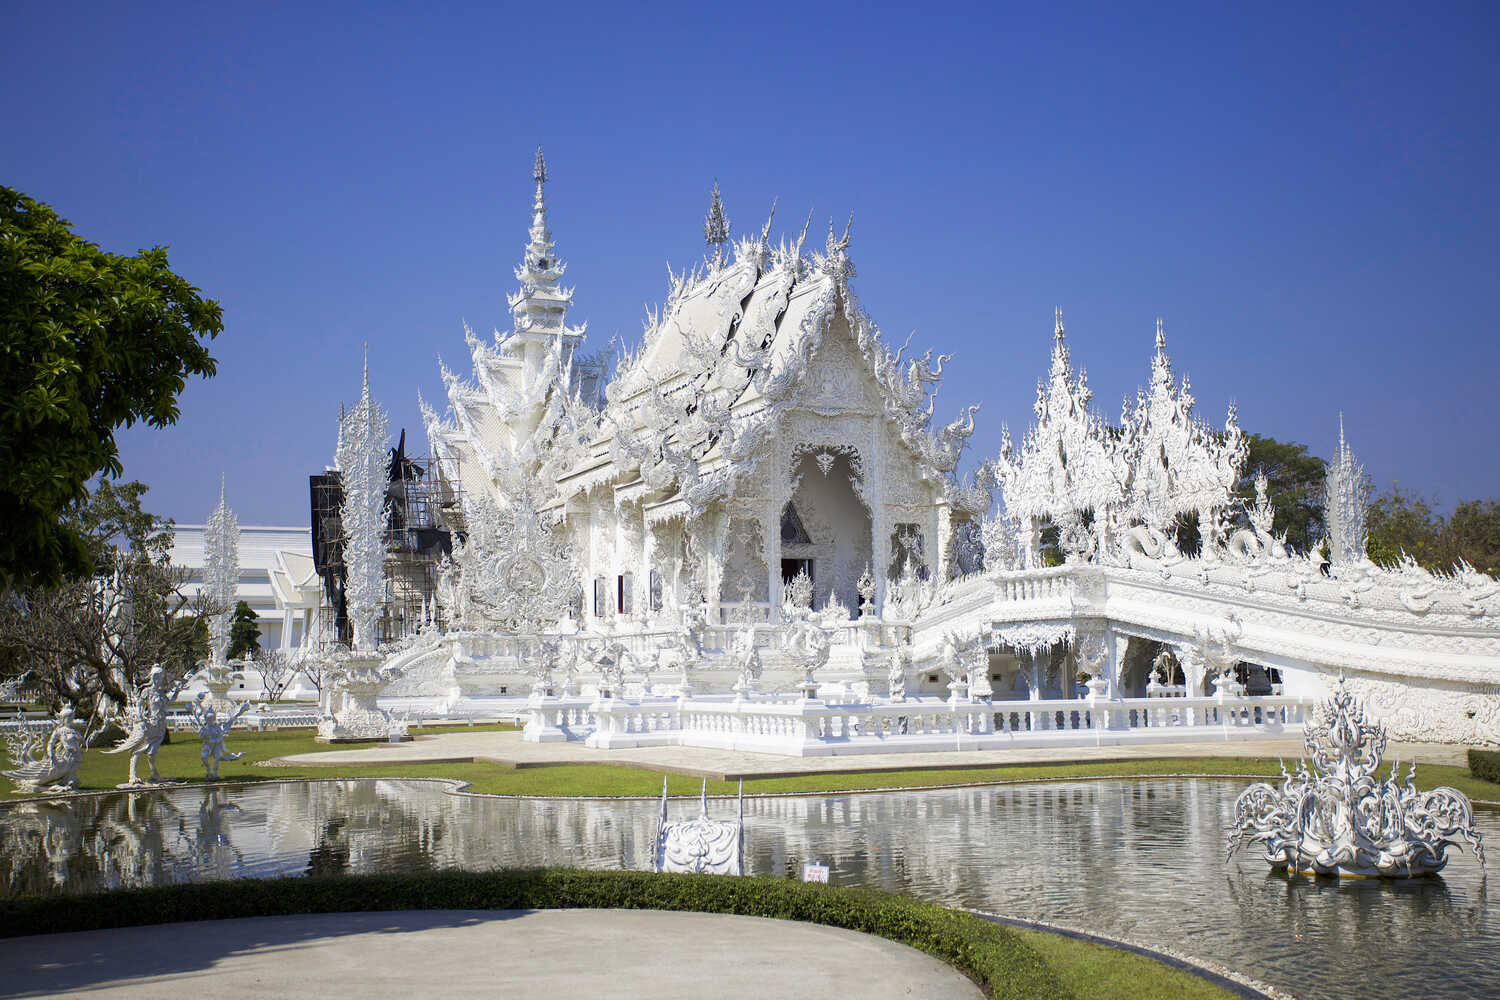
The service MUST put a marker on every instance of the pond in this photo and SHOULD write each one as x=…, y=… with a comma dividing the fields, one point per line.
x=1142, y=860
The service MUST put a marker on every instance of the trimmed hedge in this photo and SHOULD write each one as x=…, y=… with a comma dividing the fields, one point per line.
x=990, y=954
x=1485, y=765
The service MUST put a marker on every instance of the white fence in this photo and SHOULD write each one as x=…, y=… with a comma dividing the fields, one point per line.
x=813, y=728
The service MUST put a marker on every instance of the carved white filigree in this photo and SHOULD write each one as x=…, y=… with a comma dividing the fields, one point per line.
x=221, y=573
x=514, y=572
x=364, y=477
x=1339, y=818
x=701, y=845
x=1346, y=502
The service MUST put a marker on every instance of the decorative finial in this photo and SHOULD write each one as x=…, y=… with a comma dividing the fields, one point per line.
x=716, y=224
x=539, y=168
x=1057, y=323
x=221, y=489
x=1161, y=336
x=802, y=237
x=765, y=231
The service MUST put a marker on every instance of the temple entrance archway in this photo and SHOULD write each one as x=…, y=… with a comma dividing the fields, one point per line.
x=832, y=532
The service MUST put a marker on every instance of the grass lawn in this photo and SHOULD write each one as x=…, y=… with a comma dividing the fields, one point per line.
x=1094, y=972
x=179, y=760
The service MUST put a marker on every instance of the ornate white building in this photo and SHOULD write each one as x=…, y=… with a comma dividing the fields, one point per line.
x=654, y=515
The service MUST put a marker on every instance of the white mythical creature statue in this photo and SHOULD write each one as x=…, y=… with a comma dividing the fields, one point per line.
x=1339, y=819
x=49, y=764
x=747, y=661
x=544, y=665
x=810, y=645
x=211, y=731
x=148, y=726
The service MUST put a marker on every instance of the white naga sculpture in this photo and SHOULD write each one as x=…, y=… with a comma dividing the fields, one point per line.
x=148, y=726
x=47, y=762
x=211, y=731
x=702, y=845
x=1339, y=819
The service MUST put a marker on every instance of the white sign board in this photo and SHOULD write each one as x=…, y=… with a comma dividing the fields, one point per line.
x=815, y=873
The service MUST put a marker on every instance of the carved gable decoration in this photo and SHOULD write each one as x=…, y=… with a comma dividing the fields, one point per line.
x=515, y=572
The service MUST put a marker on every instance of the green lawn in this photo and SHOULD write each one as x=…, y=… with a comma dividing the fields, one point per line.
x=1094, y=972
x=180, y=760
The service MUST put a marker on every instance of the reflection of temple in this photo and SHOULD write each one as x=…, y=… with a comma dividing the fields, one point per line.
x=765, y=430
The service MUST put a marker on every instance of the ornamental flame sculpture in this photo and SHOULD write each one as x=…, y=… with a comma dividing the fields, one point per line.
x=1339, y=819
x=364, y=474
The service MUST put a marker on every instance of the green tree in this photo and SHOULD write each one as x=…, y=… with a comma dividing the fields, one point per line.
x=89, y=341
x=90, y=641
x=1294, y=485
x=1402, y=521
x=1472, y=534
x=244, y=633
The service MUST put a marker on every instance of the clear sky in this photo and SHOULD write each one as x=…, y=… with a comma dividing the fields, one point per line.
x=1309, y=199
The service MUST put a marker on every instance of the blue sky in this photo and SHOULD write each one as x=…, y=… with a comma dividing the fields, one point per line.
x=1309, y=199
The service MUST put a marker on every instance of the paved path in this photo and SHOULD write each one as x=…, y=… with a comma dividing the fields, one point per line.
x=475, y=953
x=509, y=750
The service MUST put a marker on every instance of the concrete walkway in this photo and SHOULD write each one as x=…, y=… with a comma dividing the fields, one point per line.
x=475, y=953
x=508, y=750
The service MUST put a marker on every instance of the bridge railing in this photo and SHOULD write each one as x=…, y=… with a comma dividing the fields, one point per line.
x=815, y=728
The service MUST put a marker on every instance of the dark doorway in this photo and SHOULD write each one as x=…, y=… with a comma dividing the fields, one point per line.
x=791, y=567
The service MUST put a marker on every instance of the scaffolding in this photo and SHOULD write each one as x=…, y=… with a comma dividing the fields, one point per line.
x=424, y=511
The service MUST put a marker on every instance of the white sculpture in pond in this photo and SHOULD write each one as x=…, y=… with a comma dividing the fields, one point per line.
x=702, y=845
x=211, y=731
x=148, y=726
x=1339, y=819
x=49, y=764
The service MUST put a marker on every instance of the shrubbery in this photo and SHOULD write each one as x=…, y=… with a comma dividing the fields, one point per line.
x=1485, y=765
x=988, y=953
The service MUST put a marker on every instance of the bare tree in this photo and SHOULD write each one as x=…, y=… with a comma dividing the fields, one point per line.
x=277, y=671
x=90, y=642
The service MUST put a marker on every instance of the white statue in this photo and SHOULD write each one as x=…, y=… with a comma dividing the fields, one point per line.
x=50, y=764
x=1339, y=819
x=148, y=727
x=747, y=662
x=211, y=731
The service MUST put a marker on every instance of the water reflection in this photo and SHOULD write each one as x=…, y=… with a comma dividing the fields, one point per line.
x=1137, y=859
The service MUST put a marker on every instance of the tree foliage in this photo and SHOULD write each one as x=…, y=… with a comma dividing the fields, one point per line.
x=89, y=341
x=1294, y=485
x=91, y=641
x=244, y=633
x=1404, y=522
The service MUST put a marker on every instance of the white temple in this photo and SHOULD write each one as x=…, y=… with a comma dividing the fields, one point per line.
x=760, y=492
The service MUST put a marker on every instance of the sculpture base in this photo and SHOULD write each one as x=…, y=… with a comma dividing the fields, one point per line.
x=158, y=783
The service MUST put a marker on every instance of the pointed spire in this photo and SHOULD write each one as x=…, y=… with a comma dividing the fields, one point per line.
x=1057, y=324
x=802, y=237
x=539, y=168
x=765, y=231
x=1161, y=336
x=716, y=223
x=364, y=391
x=221, y=491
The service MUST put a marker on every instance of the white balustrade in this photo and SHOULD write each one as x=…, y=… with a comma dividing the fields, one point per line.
x=814, y=728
